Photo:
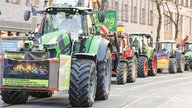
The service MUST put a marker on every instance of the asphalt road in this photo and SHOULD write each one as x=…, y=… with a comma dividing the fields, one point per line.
x=162, y=91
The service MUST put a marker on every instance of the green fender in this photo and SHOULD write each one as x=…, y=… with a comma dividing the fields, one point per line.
x=98, y=46
x=188, y=54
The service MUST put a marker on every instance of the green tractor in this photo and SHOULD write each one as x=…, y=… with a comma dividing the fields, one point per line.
x=169, y=56
x=68, y=54
x=188, y=55
x=147, y=59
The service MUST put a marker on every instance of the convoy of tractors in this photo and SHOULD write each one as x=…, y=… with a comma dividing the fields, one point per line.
x=78, y=50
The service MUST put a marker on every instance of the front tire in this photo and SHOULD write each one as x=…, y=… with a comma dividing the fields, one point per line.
x=132, y=69
x=14, y=97
x=104, y=77
x=172, y=65
x=142, y=70
x=181, y=64
x=122, y=71
x=83, y=81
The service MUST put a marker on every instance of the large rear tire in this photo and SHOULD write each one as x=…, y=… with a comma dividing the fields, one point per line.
x=172, y=65
x=153, y=65
x=142, y=70
x=83, y=81
x=104, y=77
x=181, y=64
x=14, y=97
x=132, y=69
x=122, y=71
x=41, y=94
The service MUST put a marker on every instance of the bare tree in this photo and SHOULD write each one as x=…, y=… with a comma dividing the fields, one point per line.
x=175, y=20
x=158, y=5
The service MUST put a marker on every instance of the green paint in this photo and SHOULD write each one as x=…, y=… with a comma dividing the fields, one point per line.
x=148, y=51
x=15, y=55
x=92, y=44
x=24, y=82
x=189, y=54
x=110, y=20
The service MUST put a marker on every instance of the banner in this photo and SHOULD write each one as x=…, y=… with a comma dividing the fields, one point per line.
x=64, y=72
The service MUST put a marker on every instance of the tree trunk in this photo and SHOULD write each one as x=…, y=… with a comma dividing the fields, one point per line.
x=176, y=32
x=159, y=24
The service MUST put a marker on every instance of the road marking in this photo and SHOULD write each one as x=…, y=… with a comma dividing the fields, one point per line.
x=154, y=92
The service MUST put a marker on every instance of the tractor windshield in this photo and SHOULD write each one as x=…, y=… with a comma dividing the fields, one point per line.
x=165, y=46
x=62, y=21
x=188, y=47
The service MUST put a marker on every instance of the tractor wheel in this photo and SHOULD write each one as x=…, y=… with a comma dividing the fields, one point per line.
x=153, y=65
x=187, y=68
x=83, y=81
x=160, y=70
x=172, y=65
x=122, y=71
x=181, y=64
x=190, y=65
x=14, y=97
x=132, y=69
x=142, y=70
x=41, y=94
x=104, y=77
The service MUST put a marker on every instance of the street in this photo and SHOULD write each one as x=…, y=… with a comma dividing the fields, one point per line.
x=162, y=91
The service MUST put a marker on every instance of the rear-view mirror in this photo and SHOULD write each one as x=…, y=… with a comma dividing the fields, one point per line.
x=27, y=15
x=101, y=16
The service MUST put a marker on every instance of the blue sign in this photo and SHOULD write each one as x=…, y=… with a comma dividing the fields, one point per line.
x=9, y=46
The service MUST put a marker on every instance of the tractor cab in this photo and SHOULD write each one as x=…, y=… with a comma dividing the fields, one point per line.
x=169, y=46
x=187, y=46
x=141, y=41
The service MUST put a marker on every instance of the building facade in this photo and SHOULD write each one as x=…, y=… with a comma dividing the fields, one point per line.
x=185, y=19
x=12, y=16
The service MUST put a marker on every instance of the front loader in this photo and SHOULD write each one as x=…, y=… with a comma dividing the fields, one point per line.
x=68, y=54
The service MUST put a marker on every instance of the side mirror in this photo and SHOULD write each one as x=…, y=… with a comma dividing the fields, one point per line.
x=151, y=41
x=101, y=16
x=27, y=15
x=34, y=11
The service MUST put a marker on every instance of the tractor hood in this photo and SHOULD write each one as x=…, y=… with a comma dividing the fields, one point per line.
x=53, y=38
x=188, y=54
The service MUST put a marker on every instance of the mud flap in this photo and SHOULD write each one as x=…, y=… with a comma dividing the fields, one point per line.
x=64, y=72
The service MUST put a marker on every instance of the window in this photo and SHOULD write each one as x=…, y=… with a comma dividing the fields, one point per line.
x=107, y=4
x=180, y=23
x=181, y=2
x=190, y=3
x=15, y=1
x=7, y=1
x=186, y=3
x=27, y=2
x=80, y=3
x=142, y=20
x=125, y=12
x=116, y=7
x=150, y=18
x=37, y=2
x=135, y=14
